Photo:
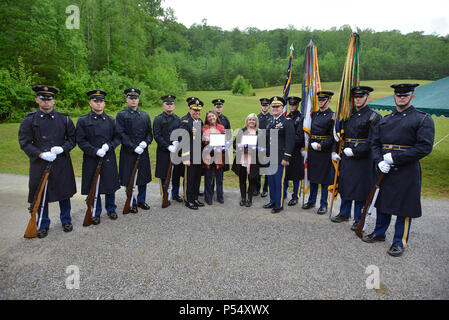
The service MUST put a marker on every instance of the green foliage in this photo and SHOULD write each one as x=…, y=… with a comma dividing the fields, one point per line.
x=139, y=43
x=16, y=95
x=242, y=86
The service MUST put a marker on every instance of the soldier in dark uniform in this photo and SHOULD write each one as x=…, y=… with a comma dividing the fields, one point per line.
x=264, y=117
x=357, y=171
x=218, y=107
x=284, y=148
x=97, y=136
x=163, y=126
x=295, y=170
x=321, y=170
x=191, y=158
x=399, y=141
x=134, y=127
x=47, y=136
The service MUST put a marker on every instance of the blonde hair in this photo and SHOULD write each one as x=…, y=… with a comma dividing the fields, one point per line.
x=252, y=115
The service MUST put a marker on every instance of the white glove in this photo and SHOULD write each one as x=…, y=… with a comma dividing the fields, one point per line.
x=384, y=167
x=101, y=153
x=335, y=156
x=143, y=145
x=348, y=152
x=56, y=150
x=48, y=156
x=138, y=150
x=303, y=153
x=388, y=158
x=172, y=148
x=105, y=147
x=314, y=145
x=175, y=143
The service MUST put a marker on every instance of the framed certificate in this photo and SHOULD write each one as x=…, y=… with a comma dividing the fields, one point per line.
x=250, y=140
x=217, y=139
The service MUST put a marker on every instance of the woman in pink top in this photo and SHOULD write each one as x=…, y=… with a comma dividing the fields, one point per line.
x=213, y=158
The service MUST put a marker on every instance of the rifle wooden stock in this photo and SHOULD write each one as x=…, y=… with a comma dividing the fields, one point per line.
x=130, y=187
x=91, y=196
x=166, y=186
x=359, y=230
x=31, y=230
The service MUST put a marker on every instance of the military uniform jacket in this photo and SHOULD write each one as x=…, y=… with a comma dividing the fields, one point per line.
x=227, y=125
x=286, y=138
x=295, y=170
x=133, y=128
x=320, y=168
x=357, y=173
x=400, y=190
x=264, y=119
x=163, y=126
x=195, y=130
x=38, y=133
x=92, y=131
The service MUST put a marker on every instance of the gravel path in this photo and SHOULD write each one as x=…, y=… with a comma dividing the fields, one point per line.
x=219, y=252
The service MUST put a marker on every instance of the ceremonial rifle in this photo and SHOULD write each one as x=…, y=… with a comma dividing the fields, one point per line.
x=368, y=208
x=92, y=196
x=31, y=230
x=165, y=196
x=130, y=186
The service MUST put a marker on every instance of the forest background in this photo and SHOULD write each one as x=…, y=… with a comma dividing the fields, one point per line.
x=137, y=43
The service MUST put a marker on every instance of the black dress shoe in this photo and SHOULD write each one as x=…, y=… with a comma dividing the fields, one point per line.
x=339, y=218
x=370, y=238
x=134, y=209
x=112, y=215
x=395, y=250
x=308, y=205
x=354, y=226
x=67, y=227
x=177, y=198
x=221, y=201
x=248, y=203
x=264, y=194
x=242, y=202
x=191, y=205
x=269, y=206
x=292, y=202
x=96, y=220
x=322, y=210
x=209, y=202
x=198, y=203
x=143, y=205
x=276, y=210
x=42, y=233
x=256, y=193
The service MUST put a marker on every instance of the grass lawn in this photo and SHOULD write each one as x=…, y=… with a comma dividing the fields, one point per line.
x=435, y=167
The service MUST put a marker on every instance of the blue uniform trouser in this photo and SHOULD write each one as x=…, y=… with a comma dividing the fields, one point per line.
x=141, y=194
x=175, y=182
x=314, y=193
x=276, y=185
x=209, y=183
x=109, y=203
x=43, y=221
x=259, y=184
x=401, y=228
x=346, y=206
x=296, y=190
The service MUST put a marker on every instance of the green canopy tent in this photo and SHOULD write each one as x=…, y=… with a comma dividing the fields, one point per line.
x=432, y=98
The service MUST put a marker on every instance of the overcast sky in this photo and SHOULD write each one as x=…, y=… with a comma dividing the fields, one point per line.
x=430, y=16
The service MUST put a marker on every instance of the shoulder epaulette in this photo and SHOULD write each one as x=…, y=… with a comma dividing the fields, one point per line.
x=186, y=121
x=30, y=113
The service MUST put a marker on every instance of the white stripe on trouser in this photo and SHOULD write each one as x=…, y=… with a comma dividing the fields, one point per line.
x=42, y=206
